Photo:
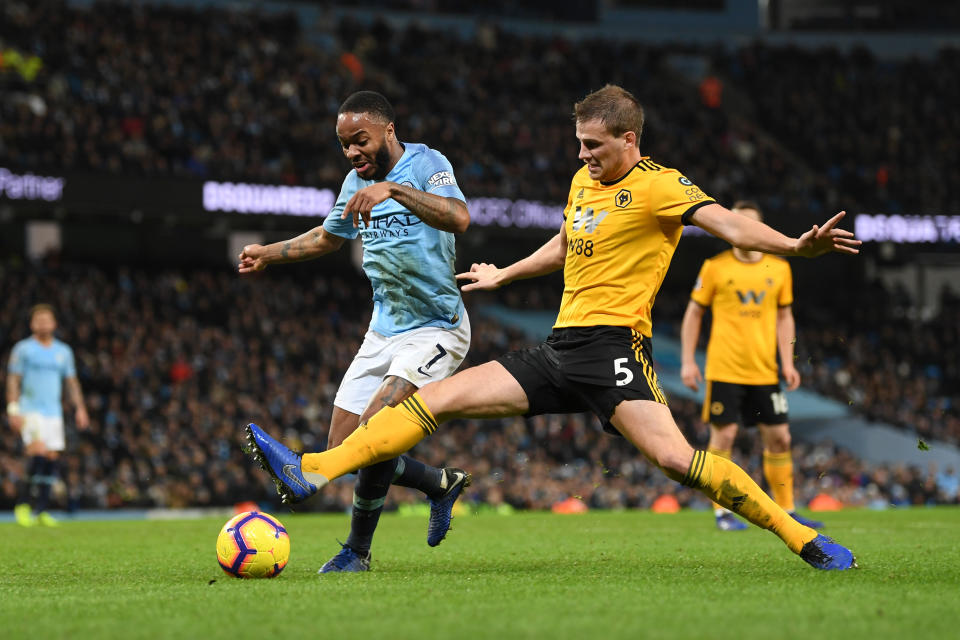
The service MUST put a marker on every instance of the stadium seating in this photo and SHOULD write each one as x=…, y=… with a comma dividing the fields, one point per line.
x=179, y=360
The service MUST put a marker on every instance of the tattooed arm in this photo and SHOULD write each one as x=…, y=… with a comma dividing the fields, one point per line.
x=446, y=214
x=306, y=246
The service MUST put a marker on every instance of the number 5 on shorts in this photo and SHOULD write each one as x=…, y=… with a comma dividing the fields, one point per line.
x=619, y=370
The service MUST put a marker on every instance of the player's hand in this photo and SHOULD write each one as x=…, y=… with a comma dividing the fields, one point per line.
x=482, y=277
x=820, y=240
x=690, y=374
x=252, y=258
x=16, y=423
x=792, y=376
x=82, y=418
x=363, y=202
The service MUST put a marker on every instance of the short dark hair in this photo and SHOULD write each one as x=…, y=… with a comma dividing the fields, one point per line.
x=615, y=107
x=43, y=307
x=748, y=204
x=369, y=102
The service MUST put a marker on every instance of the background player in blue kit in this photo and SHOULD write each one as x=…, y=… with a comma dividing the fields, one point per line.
x=38, y=368
x=403, y=201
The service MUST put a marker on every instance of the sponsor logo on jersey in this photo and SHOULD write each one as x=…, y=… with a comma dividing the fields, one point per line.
x=750, y=296
x=441, y=179
x=585, y=219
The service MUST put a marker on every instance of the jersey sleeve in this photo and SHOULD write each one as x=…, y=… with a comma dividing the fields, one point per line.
x=673, y=197
x=435, y=175
x=785, y=299
x=69, y=364
x=569, y=207
x=704, y=287
x=333, y=223
x=16, y=364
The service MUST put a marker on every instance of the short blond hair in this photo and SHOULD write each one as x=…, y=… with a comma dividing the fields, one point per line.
x=43, y=307
x=615, y=107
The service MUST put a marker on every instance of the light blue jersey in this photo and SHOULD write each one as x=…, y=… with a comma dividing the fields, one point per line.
x=408, y=262
x=42, y=371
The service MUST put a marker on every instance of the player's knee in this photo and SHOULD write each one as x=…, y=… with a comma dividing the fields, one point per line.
x=778, y=441
x=723, y=437
x=675, y=463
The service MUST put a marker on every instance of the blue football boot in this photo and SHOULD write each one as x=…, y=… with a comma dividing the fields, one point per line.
x=726, y=521
x=283, y=465
x=823, y=553
x=346, y=561
x=807, y=522
x=441, y=509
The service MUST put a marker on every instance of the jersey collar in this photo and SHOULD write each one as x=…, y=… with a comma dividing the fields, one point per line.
x=612, y=182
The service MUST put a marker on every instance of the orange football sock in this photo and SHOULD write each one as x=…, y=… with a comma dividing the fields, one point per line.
x=392, y=431
x=726, y=454
x=778, y=470
x=726, y=483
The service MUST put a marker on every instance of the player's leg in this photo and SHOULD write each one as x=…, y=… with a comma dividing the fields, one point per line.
x=778, y=469
x=23, y=511
x=373, y=482
x=484, y=391
x=722, y=437
x=420, y=357
x=721, y=410
x=35, y=451
x=651, y=428
x=54, y=442
x=47, y=478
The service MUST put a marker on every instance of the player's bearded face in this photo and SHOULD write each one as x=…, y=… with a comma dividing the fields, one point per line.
x=381, y=160
x=364, y=143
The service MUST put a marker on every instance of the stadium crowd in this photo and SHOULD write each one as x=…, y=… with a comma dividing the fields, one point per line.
x=172, y=364
x=869, y=349
x=245, y=96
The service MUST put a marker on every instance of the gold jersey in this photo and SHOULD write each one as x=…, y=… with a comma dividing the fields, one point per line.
x=744, y=298
x=621, y=236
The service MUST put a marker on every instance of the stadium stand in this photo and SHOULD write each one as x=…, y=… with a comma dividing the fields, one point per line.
x=173, y=359
x=244, y=96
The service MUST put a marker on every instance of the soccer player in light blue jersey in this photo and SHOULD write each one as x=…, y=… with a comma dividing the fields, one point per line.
x=38, y=368
x=403, y=201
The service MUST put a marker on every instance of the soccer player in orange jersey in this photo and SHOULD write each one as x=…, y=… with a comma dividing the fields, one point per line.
x=622, y=223
x=750, y=295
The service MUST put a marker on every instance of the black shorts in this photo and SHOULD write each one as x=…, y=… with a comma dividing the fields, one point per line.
x=751, y=404
x=586, y=369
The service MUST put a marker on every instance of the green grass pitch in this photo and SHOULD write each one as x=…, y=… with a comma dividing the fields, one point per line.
x=597, y=575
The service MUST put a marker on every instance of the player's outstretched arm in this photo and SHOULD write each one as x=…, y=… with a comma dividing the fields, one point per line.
x=546, y=259
x=750, y=235
x=306, y=246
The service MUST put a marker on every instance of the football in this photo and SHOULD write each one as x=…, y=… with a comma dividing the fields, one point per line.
x=253, y=545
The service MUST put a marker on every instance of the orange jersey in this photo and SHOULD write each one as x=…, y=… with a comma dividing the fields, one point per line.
x=621, y=236
x=744, y=298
